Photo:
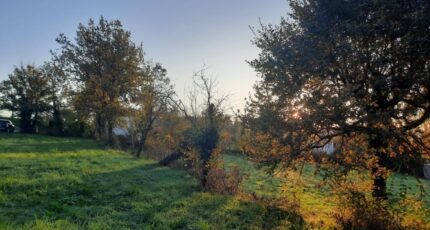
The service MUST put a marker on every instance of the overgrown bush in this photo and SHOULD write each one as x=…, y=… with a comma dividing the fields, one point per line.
x=360, y=212
x=224, y=182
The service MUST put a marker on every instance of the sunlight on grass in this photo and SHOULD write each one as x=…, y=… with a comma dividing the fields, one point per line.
x=66, y=183
x=316, y=203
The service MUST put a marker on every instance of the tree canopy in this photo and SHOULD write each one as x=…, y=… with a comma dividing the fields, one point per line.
x=26, y=93
x=346, y=69
x=106, y=66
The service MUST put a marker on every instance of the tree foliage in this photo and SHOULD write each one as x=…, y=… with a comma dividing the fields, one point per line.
x=150, y=100
x=345, y=69
x=26, y=93
x=59, y=89
x=105, y=63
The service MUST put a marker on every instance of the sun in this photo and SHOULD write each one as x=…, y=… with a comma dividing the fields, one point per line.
x=296, y=115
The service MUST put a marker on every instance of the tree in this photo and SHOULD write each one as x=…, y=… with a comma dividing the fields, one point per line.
x=150, y=100
x=206, y=118
x=105, y=63
x=26, y=93
x=58, y=84
x=347, y=69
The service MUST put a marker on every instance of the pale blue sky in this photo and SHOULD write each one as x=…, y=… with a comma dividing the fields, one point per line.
x=180, y=34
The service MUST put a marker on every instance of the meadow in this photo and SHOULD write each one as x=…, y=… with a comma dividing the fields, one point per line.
x=63, y=183
x=67, y=183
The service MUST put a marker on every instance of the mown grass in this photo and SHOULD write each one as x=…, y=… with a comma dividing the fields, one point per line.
x=64, y=183
x=316, y=202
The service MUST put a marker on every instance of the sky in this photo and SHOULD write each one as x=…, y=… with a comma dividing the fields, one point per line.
x=183, y=35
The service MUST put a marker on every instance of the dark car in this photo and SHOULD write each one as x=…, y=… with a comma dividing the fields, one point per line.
x=7, y=126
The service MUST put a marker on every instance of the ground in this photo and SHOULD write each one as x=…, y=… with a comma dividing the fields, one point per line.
x=66, y=183
x=63, y=183
x=317, y=204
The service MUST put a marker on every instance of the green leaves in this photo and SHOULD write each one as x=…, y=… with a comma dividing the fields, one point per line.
x=27, y=93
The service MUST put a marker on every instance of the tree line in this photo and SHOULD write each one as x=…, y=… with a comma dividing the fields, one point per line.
x=101, y=80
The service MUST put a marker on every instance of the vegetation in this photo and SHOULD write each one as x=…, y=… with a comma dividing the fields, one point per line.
x=62, y=183
x=66, y=183
x=151, y=100
x=317, y=202
x=352, y=72
x=206, y=118
x=106, y=66
x=26, y=93
x=352, y=75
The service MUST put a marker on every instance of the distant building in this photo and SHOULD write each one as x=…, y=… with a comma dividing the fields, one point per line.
x=328, y=148
x=426, y=169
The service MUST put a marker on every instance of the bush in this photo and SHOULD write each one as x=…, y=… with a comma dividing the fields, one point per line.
x=223, y=182
x=357, y=209
x=363, y=212
x=360, y=212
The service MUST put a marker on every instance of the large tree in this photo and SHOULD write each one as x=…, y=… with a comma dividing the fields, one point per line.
x=105, y=63
x=345, y=69
x=27, y=94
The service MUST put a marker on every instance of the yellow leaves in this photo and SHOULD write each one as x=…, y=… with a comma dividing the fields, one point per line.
x=348, y=160
x=263, y=146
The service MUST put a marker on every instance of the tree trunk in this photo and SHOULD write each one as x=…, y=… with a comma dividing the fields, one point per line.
x=144, y=135
x=142, y=142
x=379, y=178
x=99, y=127
x=110, y=133
x=25, y=122
x=379, y=184
x=35, y=121
x=171, y=158
x=205, y=172
x=57, y=119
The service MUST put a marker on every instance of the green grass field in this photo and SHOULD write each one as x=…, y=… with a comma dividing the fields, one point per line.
x=64, y=183
x=59, y=183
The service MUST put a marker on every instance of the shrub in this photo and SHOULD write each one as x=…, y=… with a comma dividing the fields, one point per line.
x=223, y=182
x=360, y=212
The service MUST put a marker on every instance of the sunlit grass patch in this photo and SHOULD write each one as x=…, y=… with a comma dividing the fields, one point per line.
x=317, y=204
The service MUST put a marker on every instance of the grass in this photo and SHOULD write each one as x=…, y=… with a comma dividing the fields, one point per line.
x=316, y=203
x=63, y=183
x=66, y=183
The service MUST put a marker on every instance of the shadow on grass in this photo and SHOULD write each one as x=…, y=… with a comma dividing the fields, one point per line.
x=104, y=194
x=112, y=191
x=132, y=198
